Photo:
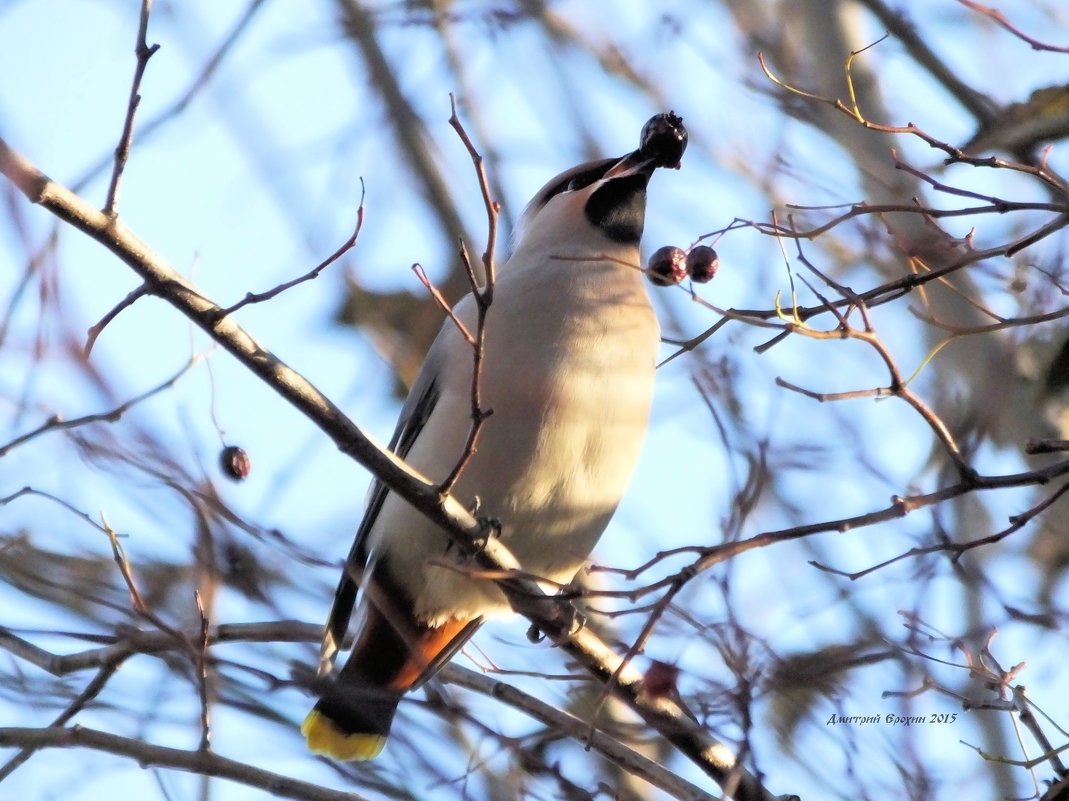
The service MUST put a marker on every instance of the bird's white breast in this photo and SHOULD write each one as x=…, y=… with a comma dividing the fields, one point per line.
x=568, y=372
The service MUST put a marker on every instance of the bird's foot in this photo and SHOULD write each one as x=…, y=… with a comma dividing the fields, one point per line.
x=567, y=620
x=489, y=528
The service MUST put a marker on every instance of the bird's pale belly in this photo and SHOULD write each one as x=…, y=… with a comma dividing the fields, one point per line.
x=550, y=468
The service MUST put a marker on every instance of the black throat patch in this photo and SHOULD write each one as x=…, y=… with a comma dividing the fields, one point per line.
x=618, y=208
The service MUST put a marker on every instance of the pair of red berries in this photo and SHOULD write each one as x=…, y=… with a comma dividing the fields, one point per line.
x=670, y=265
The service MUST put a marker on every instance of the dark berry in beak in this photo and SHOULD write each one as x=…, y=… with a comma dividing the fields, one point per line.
x=663, y=139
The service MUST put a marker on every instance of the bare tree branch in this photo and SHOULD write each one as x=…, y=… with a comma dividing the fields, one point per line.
x=57, y=423
x=347, y=245
x=1001, y=19
x=148, y=755
x=579, y=730
x=122, y=151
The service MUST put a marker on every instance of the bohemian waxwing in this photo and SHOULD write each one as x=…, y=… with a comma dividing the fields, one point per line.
x=570, y=348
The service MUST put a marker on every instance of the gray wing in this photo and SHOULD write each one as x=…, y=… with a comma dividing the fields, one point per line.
x=417, y=410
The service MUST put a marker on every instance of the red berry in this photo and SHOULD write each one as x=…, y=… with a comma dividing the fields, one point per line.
x=663, y=138
x=660, y=680
x=667, y=266
x=235, y=463
x=702, y=264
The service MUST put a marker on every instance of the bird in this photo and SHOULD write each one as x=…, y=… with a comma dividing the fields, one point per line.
x=569, y=352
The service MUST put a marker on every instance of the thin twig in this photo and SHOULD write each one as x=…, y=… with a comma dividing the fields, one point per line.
x=901, y=505
x=492, y=207
x=955, y=155
x=955, y=549
x=1034, y=446
x=94, y=331
x=55, y=499
x=1001, y=325
x=91, y=691
x=122, y=152
x=477, y=413
x=979, y=105
x=688, y=345
x=147, y=755
x=878, y=296
x=347, y=245
x=443, y=304
x=826, y=397
x=560, y=721
x=211, y=65
x=656, y=612
x=127, y=573
x=1000, y=18
x=484, y=297
x=130, y=641
x=57, y=423
x=201, y=662
x=897, y=387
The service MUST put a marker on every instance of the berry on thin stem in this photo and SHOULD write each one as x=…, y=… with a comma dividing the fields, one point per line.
x=235, y=463
x=702, y=264
x=667, y=266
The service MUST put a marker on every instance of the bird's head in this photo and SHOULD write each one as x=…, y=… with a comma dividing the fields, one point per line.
x=600, y=207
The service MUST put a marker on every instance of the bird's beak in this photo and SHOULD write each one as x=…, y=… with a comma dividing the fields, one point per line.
x=632, y=164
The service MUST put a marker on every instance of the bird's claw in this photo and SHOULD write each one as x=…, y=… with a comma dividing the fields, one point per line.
x=489, y=528
x=566, y=619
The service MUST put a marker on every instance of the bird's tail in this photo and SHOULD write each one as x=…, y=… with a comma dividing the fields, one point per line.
x=352, y=719
x=347, y=731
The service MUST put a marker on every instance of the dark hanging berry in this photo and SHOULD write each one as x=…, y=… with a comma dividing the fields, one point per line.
x=663, y=138
x=235, y=463
x=660, y=680
x=702, y=264
x=667, y=266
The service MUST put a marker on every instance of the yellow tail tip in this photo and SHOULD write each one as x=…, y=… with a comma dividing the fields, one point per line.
x=324, y=737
